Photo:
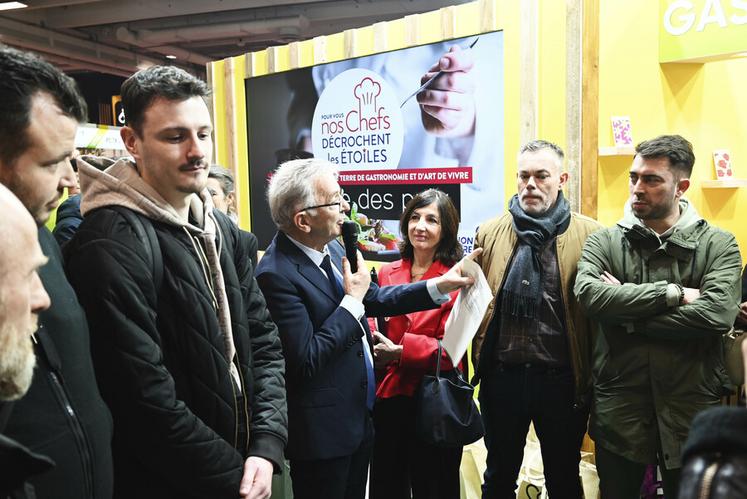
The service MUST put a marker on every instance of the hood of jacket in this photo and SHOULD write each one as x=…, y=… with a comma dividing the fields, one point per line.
x=683, y=233
x=121, y=185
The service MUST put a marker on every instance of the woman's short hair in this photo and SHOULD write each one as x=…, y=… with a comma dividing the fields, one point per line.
x=224, y=178
x=449, y=250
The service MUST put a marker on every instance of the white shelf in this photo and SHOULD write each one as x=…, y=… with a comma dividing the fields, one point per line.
x=729, y=183
x=617, y=151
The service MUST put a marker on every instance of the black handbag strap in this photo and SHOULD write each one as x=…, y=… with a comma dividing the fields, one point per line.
x=438, y=360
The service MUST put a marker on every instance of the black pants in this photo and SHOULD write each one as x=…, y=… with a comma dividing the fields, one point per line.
x=401, y=463
x=621, y=478
x=337, y=478
x=510, y=398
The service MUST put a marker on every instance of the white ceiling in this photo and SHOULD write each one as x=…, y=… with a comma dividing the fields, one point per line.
x=117, y=36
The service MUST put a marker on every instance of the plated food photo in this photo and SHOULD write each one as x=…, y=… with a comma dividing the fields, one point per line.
x=374, y=238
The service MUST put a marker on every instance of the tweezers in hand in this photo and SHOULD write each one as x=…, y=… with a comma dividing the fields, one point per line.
x=431, y=80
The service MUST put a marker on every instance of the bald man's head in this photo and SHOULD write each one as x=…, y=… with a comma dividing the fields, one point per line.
x=22, y=295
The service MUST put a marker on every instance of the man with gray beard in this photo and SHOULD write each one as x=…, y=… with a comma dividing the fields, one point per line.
x=63, y=415
x=22, y=296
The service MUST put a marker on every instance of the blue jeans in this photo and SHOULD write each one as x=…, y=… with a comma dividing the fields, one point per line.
x=512, y=396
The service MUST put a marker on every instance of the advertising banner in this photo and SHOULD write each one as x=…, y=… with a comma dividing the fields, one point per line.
x=365, y=116
x=702, y=30
x=90, y=136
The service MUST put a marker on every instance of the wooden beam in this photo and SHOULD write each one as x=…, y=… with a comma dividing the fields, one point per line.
x=211, y=104
x=294, y=55
x=350, y=43
x=448, y=22
x=320, y=50
x=273, y=64
x=590, y=108
x=229, y=94
x=412, y=30
x=528, y=71
x=573, y=100
x=381, y=37
x=488, y=15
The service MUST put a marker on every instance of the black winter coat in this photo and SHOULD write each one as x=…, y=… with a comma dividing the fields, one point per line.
x=17, y=463
x=63, y=415
x=160, y=361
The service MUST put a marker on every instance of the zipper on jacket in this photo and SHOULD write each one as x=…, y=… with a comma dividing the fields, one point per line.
x=478, y=374
x=77, y=430
x=707, y=482
x=570, y=330
x=204, y=266
x=235, y=411
x=246, y=402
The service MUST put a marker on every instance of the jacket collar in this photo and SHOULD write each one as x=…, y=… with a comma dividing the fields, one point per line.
x=400, y=274
x=400, y=270
x=678, y=241
x=307, y=268
x=122, y=185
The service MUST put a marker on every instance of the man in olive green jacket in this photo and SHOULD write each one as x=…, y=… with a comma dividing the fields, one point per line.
x=533, y=348
x=664, y=286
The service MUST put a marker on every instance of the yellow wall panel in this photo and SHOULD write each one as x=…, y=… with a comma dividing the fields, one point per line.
x=220, y=152
x=705, y=103
x=362, y=40
x=468, y=20
x=259, y=63
x=278, y=59
x=551, y=72
x=241, y=171
x=508, y=20
x=307, y=53
x=395, y=31
x=430, y=27
x=335, y=47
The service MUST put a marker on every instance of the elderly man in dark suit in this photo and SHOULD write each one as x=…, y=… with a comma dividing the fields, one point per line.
x=319, y=306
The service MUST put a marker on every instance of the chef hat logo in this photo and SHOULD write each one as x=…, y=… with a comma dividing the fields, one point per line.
x=367, y=91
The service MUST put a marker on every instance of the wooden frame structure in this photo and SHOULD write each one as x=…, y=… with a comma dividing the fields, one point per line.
x=581, y=85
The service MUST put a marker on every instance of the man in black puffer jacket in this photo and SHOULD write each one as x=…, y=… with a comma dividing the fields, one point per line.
x=22, y=297
x=185, y=352
x=63, y=415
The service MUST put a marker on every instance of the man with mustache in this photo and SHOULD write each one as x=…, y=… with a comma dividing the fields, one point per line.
x=186, y=354
x=63, y=415
x=22, y=297
x=664, y=286
x=532, y=350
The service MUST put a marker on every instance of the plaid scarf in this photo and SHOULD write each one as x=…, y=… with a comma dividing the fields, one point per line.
x=522, y=291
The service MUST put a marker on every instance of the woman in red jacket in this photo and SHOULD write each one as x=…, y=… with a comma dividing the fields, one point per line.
x=401, y=464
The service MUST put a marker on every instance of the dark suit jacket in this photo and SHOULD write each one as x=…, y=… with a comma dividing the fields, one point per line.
x=249, y=241
x=325, y=371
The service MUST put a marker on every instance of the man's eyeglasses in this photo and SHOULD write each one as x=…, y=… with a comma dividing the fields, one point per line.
x=327, y=205
x=338, y=204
